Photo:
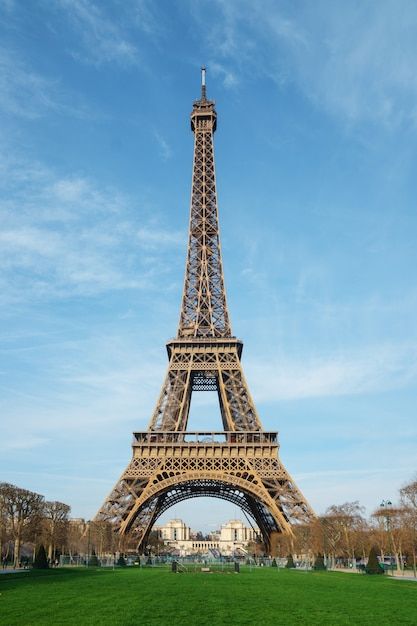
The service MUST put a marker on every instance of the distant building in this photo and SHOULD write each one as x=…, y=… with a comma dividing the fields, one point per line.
x=233, y=537
x=175, y=530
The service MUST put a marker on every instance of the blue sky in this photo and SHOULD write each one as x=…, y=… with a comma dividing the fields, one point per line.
x=316, y=172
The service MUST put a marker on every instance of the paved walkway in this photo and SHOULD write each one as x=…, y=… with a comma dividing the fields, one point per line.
x=391, y=574
x=13, y=570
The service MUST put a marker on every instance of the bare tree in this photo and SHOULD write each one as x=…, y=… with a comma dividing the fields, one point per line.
x=341, y=524
x=408, y=495
x=307, y=543
x=102, y=537
x=55, y=524
x=4, y=528
x=391, y=530
x=23, y=510
x=76, y=538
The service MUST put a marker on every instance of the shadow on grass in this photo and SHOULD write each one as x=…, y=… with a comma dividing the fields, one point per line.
x=31, y=576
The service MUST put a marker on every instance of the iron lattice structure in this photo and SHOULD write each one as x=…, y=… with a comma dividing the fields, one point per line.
x=241, y=463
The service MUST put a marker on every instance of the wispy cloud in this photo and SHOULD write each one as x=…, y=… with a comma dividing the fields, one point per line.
x=154, y=236
x=354, y=471
x=66, y=236
x=164, y=147
x=368, y=486
x=376, y=369
x=7, y=5
x=228, y=77
x=26, y=93
x=102, y=380
x=343, y=57
x=144, y=17
x=21, y=442
x=101, y=39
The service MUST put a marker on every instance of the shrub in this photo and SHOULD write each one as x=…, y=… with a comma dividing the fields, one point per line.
x=373, y=566
x=319, y=563
x=274, y=563
x=121, y=561
x=290, y=562
x=40, y=562
x=93, y=562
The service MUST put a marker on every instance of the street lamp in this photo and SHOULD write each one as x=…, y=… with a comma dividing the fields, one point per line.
x=387, y=505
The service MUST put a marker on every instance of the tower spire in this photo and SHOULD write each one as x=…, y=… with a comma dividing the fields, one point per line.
x=203, y=83
x=204, y=310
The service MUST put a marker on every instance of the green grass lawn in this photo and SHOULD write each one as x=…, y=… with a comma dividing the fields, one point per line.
x=157, y=596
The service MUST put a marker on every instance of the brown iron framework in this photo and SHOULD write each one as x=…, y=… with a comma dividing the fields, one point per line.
x=241, y=463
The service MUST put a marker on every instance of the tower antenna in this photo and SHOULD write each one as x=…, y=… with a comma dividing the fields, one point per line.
x=203, y=83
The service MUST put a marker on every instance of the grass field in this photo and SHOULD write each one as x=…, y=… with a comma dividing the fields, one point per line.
x=151, y=596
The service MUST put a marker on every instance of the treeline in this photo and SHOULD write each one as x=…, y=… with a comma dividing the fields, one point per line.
x=343, y=533
x=27, y=519
x=28, y=522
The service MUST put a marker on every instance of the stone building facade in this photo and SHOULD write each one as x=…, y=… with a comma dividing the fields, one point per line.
x=232, y=538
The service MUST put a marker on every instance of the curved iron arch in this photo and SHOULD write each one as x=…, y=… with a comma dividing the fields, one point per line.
x=210, y=487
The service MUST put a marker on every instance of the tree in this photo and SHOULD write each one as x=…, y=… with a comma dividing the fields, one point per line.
x=40, y=562
x=156, y=542
x=4, y=529
x=408, y=495
x=373, y=566
x=24, y=510
x=303, y=542
x=76, y=540
x=256, y=547
x=55, y=525
x=102, y=537
x=341, y=527
x=390, y=520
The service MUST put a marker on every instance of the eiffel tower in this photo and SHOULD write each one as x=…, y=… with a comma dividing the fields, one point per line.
x=169, y=463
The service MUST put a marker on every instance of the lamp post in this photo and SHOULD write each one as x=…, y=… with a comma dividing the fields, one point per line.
x=386, y=506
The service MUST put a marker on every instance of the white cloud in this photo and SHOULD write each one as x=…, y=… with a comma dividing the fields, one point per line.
x=26, y=93
x=102, y=39
x=369, y=486
x=24, y=441
x=7, y=5
x=142, y=10
x=66, y=236
x=345, y=57
x=101, y=382
x=153, y=237
x=229, y=78
x=164, y=147
x=371, y=370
